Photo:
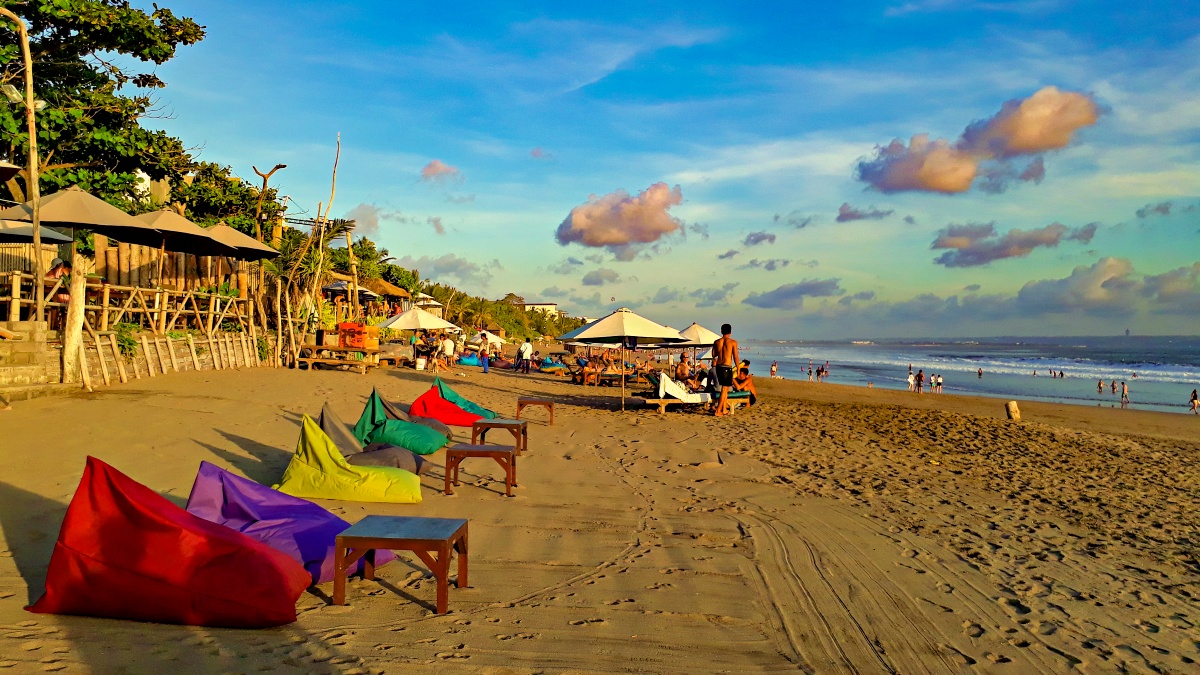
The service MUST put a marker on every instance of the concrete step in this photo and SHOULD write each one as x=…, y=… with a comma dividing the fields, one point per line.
x=29, y=391
x=22, y=375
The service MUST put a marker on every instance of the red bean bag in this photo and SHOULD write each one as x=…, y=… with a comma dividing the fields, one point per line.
x=125, y=552
x=431, y=404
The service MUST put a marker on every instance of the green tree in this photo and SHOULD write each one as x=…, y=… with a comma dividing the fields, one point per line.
x=211, y=193
x=85, y=56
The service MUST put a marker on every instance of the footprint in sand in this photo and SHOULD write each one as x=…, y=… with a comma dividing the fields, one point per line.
x=586, y=622
x=972, y=629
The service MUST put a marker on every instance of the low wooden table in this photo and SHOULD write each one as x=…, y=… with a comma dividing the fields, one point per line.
x=518, y=428
x=523, y=403
x=505, y=456
x=422, y=536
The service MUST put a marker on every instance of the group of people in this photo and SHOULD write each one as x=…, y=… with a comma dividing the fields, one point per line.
x=1125, y=392
x=438, y=348
x=917, y=382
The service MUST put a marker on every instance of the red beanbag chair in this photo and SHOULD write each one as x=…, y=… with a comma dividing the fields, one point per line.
x=431, y=404
x=125, y=552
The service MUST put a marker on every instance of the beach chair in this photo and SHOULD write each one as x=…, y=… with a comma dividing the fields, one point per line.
x=671, y=392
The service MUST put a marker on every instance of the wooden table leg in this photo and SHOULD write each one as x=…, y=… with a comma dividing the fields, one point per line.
x=369, y=565
x=461, y=547
x=339, y=574
x=442, y=571
x=450, y=463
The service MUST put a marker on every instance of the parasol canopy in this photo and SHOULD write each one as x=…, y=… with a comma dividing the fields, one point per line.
x=8, y=170
x=344, y=287
x=75, y=208
x=492, y=338
x=697, y=336
x=418, y=319
x=623, y=327
x=247, y=248
x=182, y=235
x=16, y=232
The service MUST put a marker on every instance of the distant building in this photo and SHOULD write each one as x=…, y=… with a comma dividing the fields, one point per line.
x=550, y=309
x=427, y=303
x=496, y=329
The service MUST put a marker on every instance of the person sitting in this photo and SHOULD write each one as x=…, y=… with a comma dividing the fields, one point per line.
x=683, y=371
x=744, y=381
x=700, y=378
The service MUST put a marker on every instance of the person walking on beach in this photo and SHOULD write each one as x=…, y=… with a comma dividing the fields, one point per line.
x=912, y=380
x=921, y=381
x=1124, y=395
x=1195, y=403
x=810, y=373
x=524, y=354
x=725, y=357
x=483, y=356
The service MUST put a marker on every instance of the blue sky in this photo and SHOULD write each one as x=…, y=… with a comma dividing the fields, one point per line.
x=474, y=137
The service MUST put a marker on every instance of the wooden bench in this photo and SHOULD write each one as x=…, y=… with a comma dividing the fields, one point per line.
x=523, y=403
x=518, y=428
x=505, y=456
x=360, y=366
x=422, y=536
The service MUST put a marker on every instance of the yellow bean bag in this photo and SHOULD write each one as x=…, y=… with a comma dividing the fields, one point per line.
x=318, y=471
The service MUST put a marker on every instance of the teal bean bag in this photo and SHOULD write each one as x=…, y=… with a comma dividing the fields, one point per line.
x=450, y=395
x=374, y=426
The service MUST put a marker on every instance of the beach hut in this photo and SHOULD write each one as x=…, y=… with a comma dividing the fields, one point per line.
x=625, y=328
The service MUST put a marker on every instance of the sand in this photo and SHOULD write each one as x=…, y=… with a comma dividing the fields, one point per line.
x=831, y=529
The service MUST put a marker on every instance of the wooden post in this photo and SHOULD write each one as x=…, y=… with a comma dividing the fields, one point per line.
x=103, y=364
x=120, y=360
x=212, y=349
x=105, y=297
x=278, y=326
x=162, y=360
x=135, y=265
x=192, y=350
x=123, y=254
x=112, y=263
x=233, y=351
x=146, y=353
x=100, y=244
x=83, y=368
x=163, y=311
x=171, y=351
x=212, y=308
x=1013, y=412
x=14, y=307
x=180, y=271
x=137, y=370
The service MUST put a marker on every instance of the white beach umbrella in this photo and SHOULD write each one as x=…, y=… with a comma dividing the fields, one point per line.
x=418, y=319
x=492, y=338
x=697, y=336
x=627, y=329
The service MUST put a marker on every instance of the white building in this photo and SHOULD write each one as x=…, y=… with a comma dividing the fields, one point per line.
x=550, y=309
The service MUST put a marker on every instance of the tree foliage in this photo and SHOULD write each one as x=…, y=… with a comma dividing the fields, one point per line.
x=93, y=66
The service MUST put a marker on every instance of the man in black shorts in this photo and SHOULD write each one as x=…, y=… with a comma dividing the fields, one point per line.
x=725, y=357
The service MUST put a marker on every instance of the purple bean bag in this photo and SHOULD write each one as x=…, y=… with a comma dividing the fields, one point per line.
x=297, y=527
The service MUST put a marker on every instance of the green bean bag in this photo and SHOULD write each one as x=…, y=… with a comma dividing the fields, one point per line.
x=318, y=471
x=450, y=395
x=374, y=426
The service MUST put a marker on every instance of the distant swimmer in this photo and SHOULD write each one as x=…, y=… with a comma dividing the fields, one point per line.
x=1114, y=386
x=1195, y=401
x=980, y=372
x=1100, y=387
x=1124, y=395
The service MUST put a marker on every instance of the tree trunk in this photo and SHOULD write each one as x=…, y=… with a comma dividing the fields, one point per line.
x=73, y=330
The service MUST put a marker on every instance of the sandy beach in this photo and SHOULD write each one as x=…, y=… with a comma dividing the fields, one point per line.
x=830, y=529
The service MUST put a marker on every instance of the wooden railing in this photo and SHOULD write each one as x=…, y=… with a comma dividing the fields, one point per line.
x=106, y=305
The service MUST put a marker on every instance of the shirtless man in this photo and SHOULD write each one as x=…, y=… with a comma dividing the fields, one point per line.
x=725, y=357
x=683, y=371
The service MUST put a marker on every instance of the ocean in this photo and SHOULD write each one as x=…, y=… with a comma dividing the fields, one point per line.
x=1167, y=368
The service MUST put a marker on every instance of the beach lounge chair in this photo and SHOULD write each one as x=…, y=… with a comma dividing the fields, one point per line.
x=318, y=471
x=290, y=525
x=671, y=392
x=126, y=552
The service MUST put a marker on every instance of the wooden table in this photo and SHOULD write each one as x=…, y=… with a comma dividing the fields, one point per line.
x=523, y=403
x=505, y=456
x=339, y=356
x=423, y=536
x=518, y=428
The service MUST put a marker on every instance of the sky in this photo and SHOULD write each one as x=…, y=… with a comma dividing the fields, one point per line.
x=904, y=168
